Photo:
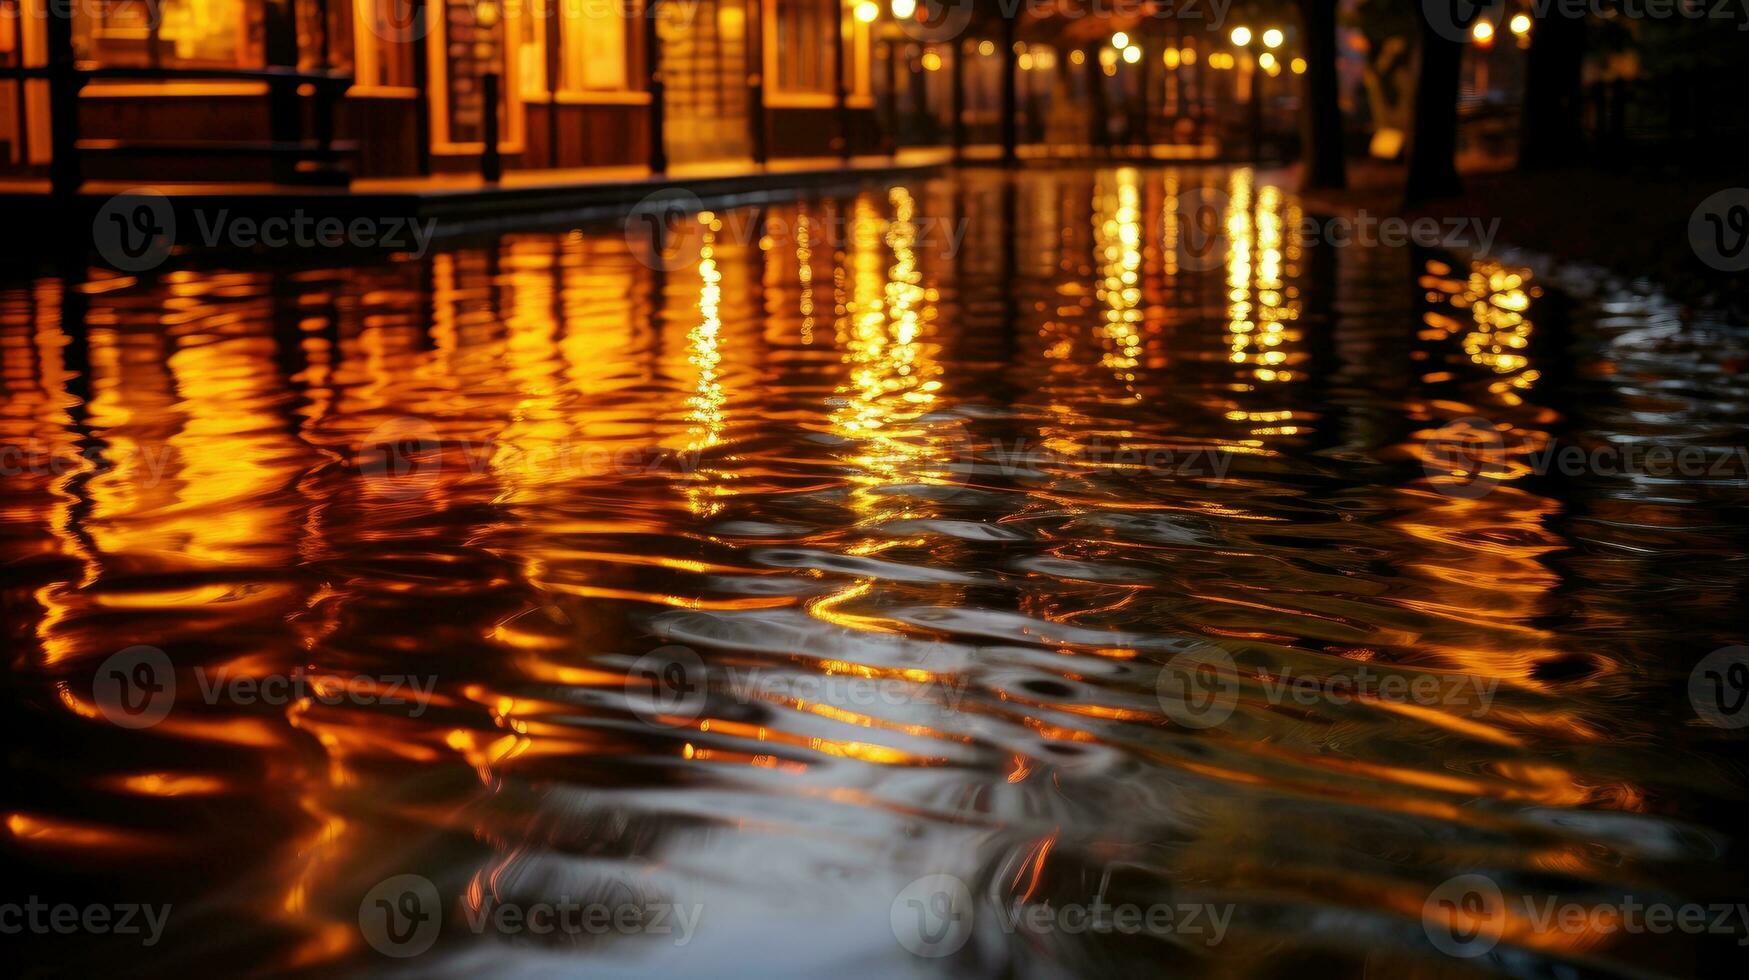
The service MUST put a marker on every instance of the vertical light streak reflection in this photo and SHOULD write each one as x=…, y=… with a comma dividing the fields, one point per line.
x=704, y=406
x=805, y=274
x=894, y=377
x=1118, y=220
x=1263, y=306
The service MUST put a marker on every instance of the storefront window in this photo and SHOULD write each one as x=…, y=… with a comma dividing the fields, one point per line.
x=385, y=34
x=531, y=49
x=593, y=54
x=804, y=46
x=183, y=34
x=800, y=50
x=475, y=36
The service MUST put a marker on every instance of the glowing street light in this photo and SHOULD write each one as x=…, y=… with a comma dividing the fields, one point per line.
x=867, y=10
x=1266, y=61
x=1483, y=32
x=1241, y=36
x=903, y=9
x=1272, y=38
x=931, y=61
x=1132, y=54
x=1120, y=40
x=1298, y=65
x=1520, y=24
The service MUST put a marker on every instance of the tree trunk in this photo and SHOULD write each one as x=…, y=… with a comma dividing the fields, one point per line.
x=1010, y=94
x=1321, y=119
x=1550, y=134
x=1433, y=131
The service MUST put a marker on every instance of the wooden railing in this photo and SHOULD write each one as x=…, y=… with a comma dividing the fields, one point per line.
x=295, y=157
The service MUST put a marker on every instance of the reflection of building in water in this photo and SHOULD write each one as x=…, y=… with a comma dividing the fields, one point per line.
x=894, y=376
x=1118, y=239
x=1497, y=333
x=805, y=274
x=1263, y=303
x=704, y=406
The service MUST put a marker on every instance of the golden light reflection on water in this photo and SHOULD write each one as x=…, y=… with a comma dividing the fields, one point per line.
x=1119, y=239
x=606, y=458
x=894, y=377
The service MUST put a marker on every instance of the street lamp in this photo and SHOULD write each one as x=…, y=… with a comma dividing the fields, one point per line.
x=903, y=9
x=1241, y=36
x=1272, y=38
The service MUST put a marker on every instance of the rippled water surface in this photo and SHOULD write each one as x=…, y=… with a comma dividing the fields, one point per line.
x=1013, y=531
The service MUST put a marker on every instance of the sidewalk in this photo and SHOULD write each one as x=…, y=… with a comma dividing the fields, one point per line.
x=464, y=203
x=1633, y=224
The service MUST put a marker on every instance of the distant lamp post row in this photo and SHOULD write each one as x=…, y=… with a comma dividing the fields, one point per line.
x=1482, y=32
x=1270, y=39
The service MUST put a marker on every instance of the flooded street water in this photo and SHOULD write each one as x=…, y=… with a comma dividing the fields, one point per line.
x=884, y=583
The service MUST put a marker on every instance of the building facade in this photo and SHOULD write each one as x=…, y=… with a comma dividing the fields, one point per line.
x=270, y=89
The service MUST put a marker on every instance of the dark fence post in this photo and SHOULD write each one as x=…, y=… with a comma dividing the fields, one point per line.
x=65, y=172
x=891, y=136
x=957, y=99
x=279, y=29
x=658, y=149
x=1010, y=93
x=491, y=163
x=756, y=83
x=840, y=90
x=421, y=12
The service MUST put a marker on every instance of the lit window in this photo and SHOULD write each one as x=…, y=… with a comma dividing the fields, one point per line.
x=593, y=48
